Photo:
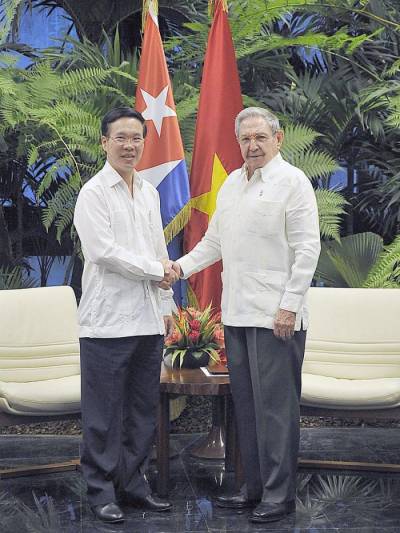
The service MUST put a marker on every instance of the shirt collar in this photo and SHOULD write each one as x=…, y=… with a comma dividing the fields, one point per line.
x=112, y=177
x=267, y=170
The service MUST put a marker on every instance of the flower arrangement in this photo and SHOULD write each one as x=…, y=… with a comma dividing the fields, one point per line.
x=197, y=339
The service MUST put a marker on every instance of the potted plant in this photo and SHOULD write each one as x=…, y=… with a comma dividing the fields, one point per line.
x=197, y=339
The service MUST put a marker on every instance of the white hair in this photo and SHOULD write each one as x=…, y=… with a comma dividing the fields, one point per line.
x=269, y=118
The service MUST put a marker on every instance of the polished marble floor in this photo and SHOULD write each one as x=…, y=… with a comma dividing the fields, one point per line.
x=326, y=501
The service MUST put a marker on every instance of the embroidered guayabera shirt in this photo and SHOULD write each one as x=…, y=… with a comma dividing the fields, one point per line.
x=266, y=231
x=122, y=243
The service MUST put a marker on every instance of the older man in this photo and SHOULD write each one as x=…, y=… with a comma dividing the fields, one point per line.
x=265, y=229
x=122, y=316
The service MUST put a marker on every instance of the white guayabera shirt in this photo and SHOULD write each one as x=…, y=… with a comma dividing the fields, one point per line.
x=123, y=243
x=266, y=231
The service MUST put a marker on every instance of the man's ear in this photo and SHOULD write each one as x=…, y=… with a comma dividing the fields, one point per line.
x=279, y=137
x=104, y=142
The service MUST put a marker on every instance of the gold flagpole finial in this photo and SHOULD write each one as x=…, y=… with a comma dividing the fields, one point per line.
x=212, y=4
x=145, y=10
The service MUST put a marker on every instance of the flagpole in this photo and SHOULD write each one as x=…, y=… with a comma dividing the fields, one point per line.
x=212, y=5
x=145, y=10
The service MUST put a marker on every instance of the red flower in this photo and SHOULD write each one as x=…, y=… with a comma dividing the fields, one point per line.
x=195, y=325
x=222, y=356
x=194, y=336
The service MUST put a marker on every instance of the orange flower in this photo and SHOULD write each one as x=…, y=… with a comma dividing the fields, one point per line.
x=174, y=338
x=219, y=337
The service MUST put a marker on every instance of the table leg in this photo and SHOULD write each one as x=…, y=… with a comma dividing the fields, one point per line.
x=163, y=445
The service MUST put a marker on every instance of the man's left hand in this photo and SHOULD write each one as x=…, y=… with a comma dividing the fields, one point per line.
x=284, y=324
x=169, y=324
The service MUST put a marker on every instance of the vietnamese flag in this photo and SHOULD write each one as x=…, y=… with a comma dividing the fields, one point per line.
x=216, y=151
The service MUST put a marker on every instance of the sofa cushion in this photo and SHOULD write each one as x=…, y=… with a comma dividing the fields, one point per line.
x=39, y=334
x=353, y=333
x=330, y=392
x=50, y=397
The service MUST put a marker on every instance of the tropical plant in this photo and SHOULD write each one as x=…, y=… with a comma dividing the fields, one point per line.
x=359, y=260
x=13, y=278
x=386, y=271
x=319, y=66
x=51, y=120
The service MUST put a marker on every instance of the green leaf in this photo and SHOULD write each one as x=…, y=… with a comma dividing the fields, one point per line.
x=347, y=264
x=330, y=210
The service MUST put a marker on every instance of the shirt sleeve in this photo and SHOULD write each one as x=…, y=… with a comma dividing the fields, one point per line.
x=92, y=222
x=206, y=252
x=302, y=231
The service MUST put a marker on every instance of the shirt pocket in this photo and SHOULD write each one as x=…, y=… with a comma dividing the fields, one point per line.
x=265, y=218
x=119, y=299
x=262, y=291
x=119, y=226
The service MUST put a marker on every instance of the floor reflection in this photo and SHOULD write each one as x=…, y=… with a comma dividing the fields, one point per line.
x=354, y=502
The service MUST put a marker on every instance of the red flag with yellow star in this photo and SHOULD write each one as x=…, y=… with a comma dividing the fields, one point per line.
x=216, y=152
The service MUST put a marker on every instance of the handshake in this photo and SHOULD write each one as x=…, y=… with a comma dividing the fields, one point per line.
x=172, y=272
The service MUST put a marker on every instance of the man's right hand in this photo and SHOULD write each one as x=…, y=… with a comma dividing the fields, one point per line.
x=177, y=268
x=170, y=275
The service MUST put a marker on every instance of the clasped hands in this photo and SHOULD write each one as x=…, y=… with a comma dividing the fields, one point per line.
x=172, y=272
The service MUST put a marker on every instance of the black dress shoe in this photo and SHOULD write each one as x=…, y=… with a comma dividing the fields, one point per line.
x=109, y=512
x=235, y=501
x=272, y=512
x=151, y=503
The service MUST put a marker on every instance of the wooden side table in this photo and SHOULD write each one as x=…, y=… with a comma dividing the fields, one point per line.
x=192, y=382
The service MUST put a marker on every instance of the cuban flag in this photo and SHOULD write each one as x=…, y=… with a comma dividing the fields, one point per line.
x=163, y=162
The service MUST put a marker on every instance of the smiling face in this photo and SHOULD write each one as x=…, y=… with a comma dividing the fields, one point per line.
x=258, y=144
x=124, y=144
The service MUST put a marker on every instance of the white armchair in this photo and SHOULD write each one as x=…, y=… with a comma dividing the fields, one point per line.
x=352, y=357
x=39, y=355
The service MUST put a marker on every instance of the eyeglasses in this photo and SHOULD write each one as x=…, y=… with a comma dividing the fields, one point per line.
x=258, y=139
x=121, y=141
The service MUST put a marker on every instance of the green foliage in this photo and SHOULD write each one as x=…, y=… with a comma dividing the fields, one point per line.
x=13, y=278
x=314, y=163
x=386, y=270
x=53, y=110
x=8, y=12
x=329, y=70
x=331, y=205
x=360, y=260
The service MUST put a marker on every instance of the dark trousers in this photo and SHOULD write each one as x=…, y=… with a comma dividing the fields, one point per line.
x=119, y=400
x=265, y=375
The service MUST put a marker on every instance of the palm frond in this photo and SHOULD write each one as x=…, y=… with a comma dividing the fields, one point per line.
x=8, y=11
x=386, y=271
x=347, y=263
x=331, y=206
x=314, y=163
x=13, y=278
x=298, y=138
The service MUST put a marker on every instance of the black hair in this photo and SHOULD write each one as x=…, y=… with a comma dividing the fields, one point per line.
x=121, y=112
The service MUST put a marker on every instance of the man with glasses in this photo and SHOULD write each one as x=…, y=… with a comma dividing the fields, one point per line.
x=123, y=315
x=265, y=230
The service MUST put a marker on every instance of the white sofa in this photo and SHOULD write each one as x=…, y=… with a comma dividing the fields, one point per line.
x=352, y=356
x=39, y=352
x=352, y=361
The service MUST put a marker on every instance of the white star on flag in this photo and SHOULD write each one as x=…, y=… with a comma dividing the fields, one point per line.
x=156, y=108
